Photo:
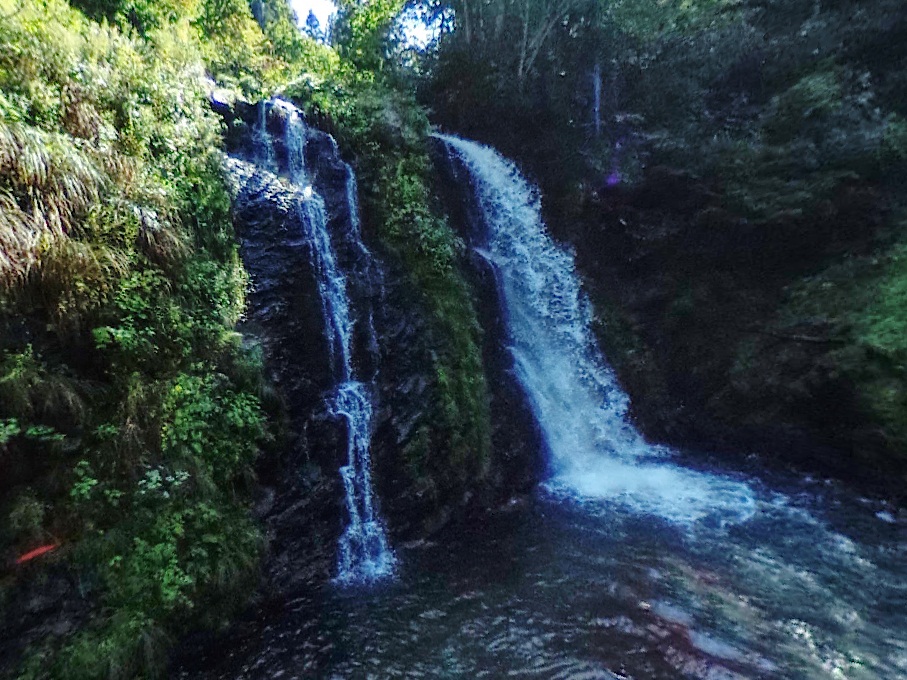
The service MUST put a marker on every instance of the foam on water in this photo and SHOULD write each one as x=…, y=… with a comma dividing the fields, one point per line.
x=594, y=451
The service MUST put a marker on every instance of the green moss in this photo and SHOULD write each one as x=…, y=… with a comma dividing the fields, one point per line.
x=807, y=103
x=881, y=327
x=864, y=299
x=387, y=131
x=882, y=323
x=894, y=141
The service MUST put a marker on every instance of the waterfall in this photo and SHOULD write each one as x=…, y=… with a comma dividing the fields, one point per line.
x=594, y=452
x=597, y=99
x=364, y=552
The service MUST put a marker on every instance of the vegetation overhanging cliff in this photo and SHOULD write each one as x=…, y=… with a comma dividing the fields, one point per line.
x=731, y=174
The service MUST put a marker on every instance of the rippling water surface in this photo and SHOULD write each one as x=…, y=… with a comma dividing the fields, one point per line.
x=812, y=586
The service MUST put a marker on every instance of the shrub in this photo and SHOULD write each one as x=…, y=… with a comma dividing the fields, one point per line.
x=129, y=418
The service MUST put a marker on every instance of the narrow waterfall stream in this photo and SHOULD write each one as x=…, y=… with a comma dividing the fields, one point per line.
x=364, y=552
x=630, y=562
x=597, y=99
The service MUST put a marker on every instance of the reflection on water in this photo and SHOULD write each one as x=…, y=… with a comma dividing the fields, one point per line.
x=809, y=588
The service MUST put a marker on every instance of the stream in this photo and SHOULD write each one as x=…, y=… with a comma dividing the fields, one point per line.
x=812, y=586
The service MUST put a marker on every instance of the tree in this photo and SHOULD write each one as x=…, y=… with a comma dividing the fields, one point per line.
x=363, y=28
x=486, y=27
x=313, y=27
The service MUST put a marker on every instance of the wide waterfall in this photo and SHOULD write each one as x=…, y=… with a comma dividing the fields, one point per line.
x=594, y=452
x=364, y=553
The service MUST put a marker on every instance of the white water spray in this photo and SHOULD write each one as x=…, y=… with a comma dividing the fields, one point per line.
x=595, y=453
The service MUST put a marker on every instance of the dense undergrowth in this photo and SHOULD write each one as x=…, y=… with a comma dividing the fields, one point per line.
x=861, y=300
x=131, y=411
x=795, y=118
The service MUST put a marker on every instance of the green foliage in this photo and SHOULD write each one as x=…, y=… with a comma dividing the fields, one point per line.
x=129, y=413
x=175, y=561
x=143, y=15
x=882, y=324
x=809, y=102
x=235, y=48
x=817, y=134
x=26, y=517
x=894, y=142
x=209, y=428
x=240, y=53
x=362, y=31
x=770, y=182
x=259, y=57
x=865, y=300
x=84, y=483
x=647, y=20
x=9, y=428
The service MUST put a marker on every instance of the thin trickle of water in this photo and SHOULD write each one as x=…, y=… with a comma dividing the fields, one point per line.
x=595, y=453
x=597, y=99
x=261, y=139
x=364, y=552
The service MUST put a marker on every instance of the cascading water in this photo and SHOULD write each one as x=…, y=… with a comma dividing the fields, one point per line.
x=811, y=587
x=594, y=452
x=597, y=99
x=364, y=552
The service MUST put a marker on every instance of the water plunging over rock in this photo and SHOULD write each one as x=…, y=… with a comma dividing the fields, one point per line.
x=592, y=581
x=594, y=452
x=328, y=229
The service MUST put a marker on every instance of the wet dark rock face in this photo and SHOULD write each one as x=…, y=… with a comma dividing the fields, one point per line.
x=284, y=313
x=406, y=380
x=406, y=388
x=302, y=497
x=36, y=609
x=302, y=500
